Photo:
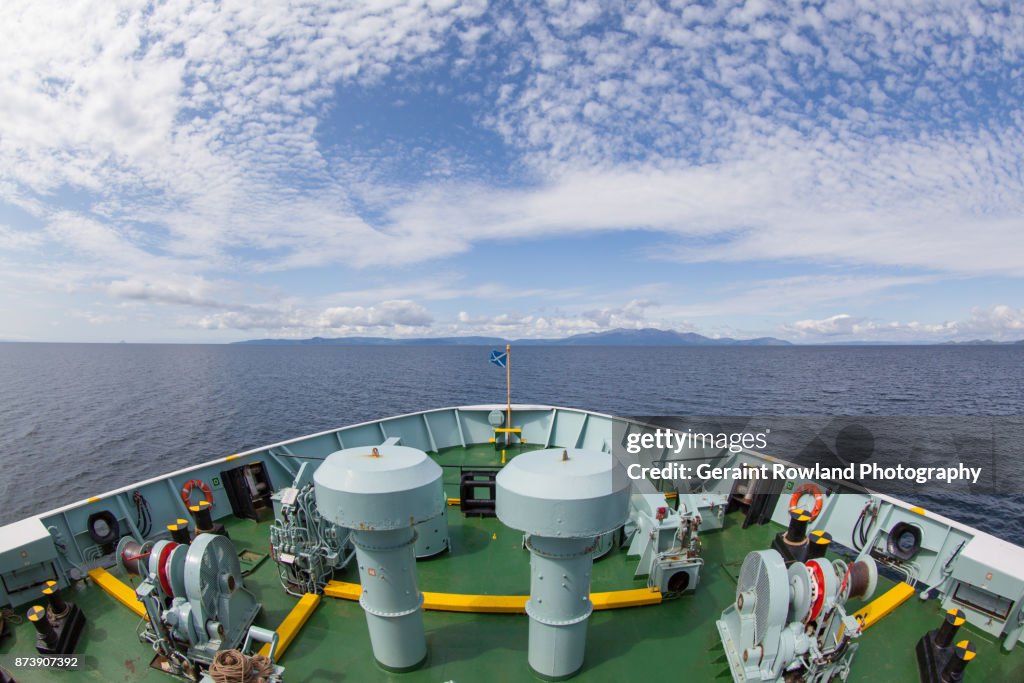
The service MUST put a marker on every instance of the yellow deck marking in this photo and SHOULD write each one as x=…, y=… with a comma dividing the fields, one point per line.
x=118, y=590
x=490, y=604
x=634, y=597
x=94, y=499
x=502, y=604
x=919, y=511
x=292, y=624
x=343, y=590
x=232, y=457
x=454, y=501
x=881, y=606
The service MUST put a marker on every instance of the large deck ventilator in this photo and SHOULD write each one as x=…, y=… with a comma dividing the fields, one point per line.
x=381, y=493
x=564, y=500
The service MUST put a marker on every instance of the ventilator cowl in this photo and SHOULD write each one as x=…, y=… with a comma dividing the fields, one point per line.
x=381, y=493
x=564, y=499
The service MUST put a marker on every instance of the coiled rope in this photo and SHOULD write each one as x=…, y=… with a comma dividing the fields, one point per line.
x=10, y=616
x=231, y=666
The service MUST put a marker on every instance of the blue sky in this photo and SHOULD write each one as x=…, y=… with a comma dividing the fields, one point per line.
x=207, y=172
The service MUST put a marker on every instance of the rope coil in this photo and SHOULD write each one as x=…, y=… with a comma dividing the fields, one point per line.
x=55, y=616
x=231, y=666
x=10, y=616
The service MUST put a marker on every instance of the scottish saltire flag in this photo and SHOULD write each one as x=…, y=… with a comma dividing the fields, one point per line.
x=499, y=358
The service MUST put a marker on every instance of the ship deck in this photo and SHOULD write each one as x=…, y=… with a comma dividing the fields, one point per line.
x=676, y=637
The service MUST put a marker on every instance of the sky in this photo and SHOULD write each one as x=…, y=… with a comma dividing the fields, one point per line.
x=190, y=171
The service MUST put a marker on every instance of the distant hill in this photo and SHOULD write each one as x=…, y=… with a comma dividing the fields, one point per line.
x=650, y=337
x=620, y=337
x=973, y=342
x=981, y=342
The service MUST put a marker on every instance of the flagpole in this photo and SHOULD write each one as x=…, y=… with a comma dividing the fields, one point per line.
x=508, y=387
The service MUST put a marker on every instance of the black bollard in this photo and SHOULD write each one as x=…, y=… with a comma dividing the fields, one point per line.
x=46, y=635
x=179, y=531
x=792, y=543
x=798, y=521
x=58, y=607
x=820, y=541
x=963, y=653
x=201, y=513
x=952, y=623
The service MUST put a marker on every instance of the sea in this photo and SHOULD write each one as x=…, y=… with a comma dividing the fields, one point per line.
x=80, y=419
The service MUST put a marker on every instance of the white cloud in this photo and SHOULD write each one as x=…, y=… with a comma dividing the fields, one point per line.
x=197, y=118
x=193, y=116
x=841, y=324
x=998, y=323
x=397, y=317
x=386, y=314
x=98, y=318
x=636, y=314
x=939, y=206
x=195, y=293
x=12, y=239
x=787, y=296
x=631, y=315
x=407, y=318
x=167, y=150
x=1001, y=322
x=702, y=79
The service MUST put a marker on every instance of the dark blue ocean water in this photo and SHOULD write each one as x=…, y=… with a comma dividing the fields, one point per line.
x=79, y=419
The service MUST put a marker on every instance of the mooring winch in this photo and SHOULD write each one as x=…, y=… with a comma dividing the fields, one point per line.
x=195, y=598
x=792, y=619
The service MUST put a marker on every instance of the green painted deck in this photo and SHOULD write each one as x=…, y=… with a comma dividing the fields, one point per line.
x=676, y=640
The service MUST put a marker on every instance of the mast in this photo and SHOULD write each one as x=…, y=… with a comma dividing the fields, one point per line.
x=508, y=388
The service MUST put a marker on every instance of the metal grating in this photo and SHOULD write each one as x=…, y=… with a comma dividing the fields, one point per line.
x=764, y=597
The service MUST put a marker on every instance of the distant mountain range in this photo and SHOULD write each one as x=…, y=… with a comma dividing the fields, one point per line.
x=645, y=337
x=983, y=342
x=972, y=342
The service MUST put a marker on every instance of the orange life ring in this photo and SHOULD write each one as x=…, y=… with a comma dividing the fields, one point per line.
x=186, y=491
x=812, y=489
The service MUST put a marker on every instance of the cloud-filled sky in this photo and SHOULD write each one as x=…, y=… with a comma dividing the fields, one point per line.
x=214, y=171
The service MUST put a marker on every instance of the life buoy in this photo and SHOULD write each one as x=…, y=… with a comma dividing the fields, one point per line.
x=811, y=489
x=186, y=491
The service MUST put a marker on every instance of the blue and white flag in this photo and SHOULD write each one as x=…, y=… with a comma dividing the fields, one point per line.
x=499, y=358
